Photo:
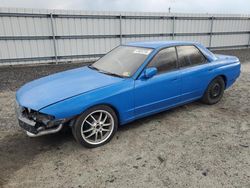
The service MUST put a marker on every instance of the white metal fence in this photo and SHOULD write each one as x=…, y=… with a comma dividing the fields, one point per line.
x=35, y=36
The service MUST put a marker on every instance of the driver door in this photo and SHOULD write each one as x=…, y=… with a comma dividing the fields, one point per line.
x=161, y=91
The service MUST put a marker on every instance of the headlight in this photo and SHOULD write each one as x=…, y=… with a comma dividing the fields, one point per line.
x=47, y=120
x=44, y=118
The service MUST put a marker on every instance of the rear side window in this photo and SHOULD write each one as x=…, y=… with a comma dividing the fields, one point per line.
x=165, y=60
x=189, y=55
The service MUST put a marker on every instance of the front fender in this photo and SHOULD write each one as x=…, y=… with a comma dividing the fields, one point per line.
x=119, y=96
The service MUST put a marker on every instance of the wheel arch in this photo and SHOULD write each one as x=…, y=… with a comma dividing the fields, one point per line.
x=206, y=98
x=115, y=110
x=223, y=77
x=220, y=75
x=104, y=104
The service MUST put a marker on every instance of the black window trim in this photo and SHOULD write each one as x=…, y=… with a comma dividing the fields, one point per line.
x=177, y=62
x=176, y=65
x=192, y=65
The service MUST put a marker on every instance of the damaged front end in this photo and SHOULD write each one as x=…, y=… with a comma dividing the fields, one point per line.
x=36, y=123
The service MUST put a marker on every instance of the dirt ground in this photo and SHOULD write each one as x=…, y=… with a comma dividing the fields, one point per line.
x=194, y=145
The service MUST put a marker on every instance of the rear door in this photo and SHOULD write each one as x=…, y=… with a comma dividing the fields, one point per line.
x=194, y=72
x=162, y=90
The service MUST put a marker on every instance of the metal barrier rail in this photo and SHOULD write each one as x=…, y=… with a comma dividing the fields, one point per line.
x=121, y=36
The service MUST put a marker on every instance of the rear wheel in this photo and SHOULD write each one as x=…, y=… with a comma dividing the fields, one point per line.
x=214, y=91
x=96, y=126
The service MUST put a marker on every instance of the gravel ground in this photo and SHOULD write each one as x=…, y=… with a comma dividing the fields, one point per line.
x=194, y=145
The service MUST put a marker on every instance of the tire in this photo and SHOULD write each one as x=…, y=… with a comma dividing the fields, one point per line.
x=96, y=126
x=214, y=91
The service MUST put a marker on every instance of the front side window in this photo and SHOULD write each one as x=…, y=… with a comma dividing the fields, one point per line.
x=165, y=60
x=123, y=61
x=189, y=55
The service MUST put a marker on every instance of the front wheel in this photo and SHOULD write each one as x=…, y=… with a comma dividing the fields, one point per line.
x=214, y=91
x=96, y=126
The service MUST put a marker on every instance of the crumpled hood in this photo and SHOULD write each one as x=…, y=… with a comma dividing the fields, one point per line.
x=57, y=87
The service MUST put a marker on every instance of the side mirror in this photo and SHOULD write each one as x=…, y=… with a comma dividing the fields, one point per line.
x=150, y=72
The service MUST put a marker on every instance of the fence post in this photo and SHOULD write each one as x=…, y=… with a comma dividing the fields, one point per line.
x=173, y=28
x=53, y=36
x=249, y=41
x=120, y=18
x=211, y=31
x=248, y=45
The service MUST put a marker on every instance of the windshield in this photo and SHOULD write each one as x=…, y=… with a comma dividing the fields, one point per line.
x=123, y=61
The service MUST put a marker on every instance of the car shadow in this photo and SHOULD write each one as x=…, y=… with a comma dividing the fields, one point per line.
x=18, y=150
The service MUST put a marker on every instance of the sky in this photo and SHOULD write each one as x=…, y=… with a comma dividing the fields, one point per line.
x=180, y=6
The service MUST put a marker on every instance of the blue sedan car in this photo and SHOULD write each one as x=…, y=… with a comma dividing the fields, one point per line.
x=130, y=82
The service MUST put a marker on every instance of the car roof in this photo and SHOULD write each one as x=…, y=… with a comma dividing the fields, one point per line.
x=159, y=44
x=162, y=44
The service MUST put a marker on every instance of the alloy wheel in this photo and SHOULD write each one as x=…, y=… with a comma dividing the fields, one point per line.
x=97, y=127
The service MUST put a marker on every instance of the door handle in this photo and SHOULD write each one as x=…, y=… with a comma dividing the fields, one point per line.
x=210, y=69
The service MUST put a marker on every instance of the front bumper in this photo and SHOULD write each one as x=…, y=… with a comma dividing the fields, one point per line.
x=27, y=125
x=37, y=128
x=34, y=129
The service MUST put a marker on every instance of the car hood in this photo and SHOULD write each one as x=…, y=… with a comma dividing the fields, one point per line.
x=57, y=87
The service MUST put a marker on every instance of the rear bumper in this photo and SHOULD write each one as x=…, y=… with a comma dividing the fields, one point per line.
x=234, y=74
